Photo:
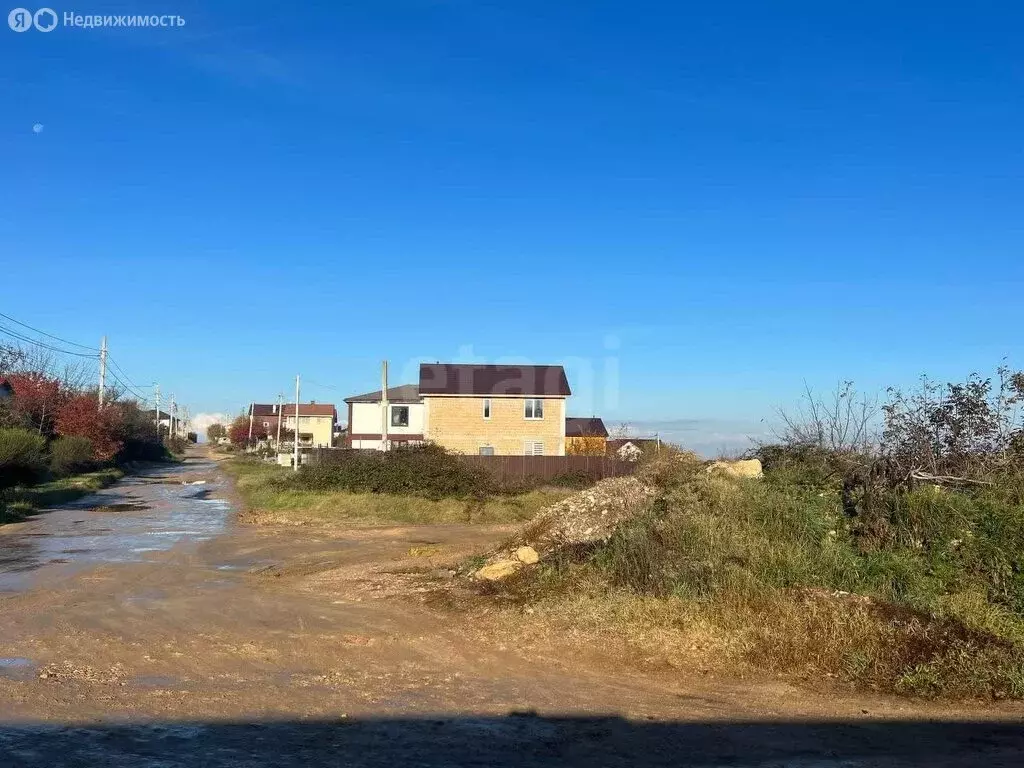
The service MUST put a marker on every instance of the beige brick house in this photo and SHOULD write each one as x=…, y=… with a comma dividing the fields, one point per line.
x=316, y=421
x=495, y=409
x=510, y=410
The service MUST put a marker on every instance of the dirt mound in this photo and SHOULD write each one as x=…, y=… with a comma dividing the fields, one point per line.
x=585, y=517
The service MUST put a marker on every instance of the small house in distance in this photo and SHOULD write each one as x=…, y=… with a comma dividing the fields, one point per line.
x=316, y=421
x=585, y=436
x=632, y=448
x=161, y=417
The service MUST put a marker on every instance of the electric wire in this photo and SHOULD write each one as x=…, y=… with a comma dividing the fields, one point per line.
x=124, y=379
x=22, y=337
x=44, y=333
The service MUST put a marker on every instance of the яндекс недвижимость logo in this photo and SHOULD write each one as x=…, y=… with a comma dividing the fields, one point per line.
x=46, y=20
x=22, y=19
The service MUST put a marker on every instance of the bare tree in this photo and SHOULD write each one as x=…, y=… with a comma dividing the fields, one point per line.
x=956, y=432
x=10, y=358
x=845, y=421
x=621, y=430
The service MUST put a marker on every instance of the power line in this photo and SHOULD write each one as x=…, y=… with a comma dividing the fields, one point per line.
x=126, y=382
x=44, y=345
x=44, y=333
x=119, y=368
x=127, y=388
x=124, y=379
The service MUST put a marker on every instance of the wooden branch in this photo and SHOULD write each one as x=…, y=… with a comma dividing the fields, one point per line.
x=917, y=474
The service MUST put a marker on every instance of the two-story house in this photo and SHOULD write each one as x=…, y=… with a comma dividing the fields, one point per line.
x=316, y=422
x=470, y=409
x=495, y=409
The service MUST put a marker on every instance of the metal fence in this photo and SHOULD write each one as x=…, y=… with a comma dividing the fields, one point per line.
x=510, y=468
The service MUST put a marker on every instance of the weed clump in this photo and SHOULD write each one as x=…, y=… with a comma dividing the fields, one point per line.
x=427, y=471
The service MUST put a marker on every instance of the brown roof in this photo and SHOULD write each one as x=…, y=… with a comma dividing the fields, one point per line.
x=592, y=427
x=452, y=379
x=305, y=409
x=406, y=393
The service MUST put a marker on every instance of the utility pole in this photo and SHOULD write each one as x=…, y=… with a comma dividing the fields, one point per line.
x=248, y=442
x=295, y=447
x=170, y=413
x=157, y=387
x=103, y=368
x=384, y=405
x=280, y=418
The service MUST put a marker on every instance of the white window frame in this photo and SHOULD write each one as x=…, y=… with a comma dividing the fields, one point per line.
x=530, y=447
x=480, y=450
x=535, y=401
x=486, y=410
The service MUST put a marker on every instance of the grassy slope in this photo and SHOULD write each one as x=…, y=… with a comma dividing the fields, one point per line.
x=751, y=575
x=267, y=504
x=20, y=502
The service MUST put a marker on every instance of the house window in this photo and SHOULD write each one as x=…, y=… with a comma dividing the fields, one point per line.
x=487, y=408
x=486, y=450
x=400, y=416
x=534, y=409
x=534, y=448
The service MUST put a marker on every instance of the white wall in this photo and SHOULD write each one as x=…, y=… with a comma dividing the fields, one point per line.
x=366, y=420
x=373, y=445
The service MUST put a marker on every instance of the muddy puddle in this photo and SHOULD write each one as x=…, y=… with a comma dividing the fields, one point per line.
x=17, y=668
x=125, y=523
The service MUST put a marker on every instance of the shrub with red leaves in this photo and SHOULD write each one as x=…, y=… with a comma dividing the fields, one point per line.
x=238, y=432
x=81, y=415
x=36, y=400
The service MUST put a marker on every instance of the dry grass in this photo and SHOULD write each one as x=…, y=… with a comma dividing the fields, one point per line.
x=757, y=577
x=813, y=639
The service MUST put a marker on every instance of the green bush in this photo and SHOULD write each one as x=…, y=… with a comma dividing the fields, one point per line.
x=914, y=547
x=71, y=455
x=809, y=465
x=427, y=471
x=22, y=459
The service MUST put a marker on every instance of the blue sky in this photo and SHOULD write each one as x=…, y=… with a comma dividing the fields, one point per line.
x=696, y=206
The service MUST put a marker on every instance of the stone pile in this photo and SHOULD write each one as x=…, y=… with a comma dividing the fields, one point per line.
x=588, y=516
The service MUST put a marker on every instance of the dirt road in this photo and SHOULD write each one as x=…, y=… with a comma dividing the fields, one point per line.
x=166, y=634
